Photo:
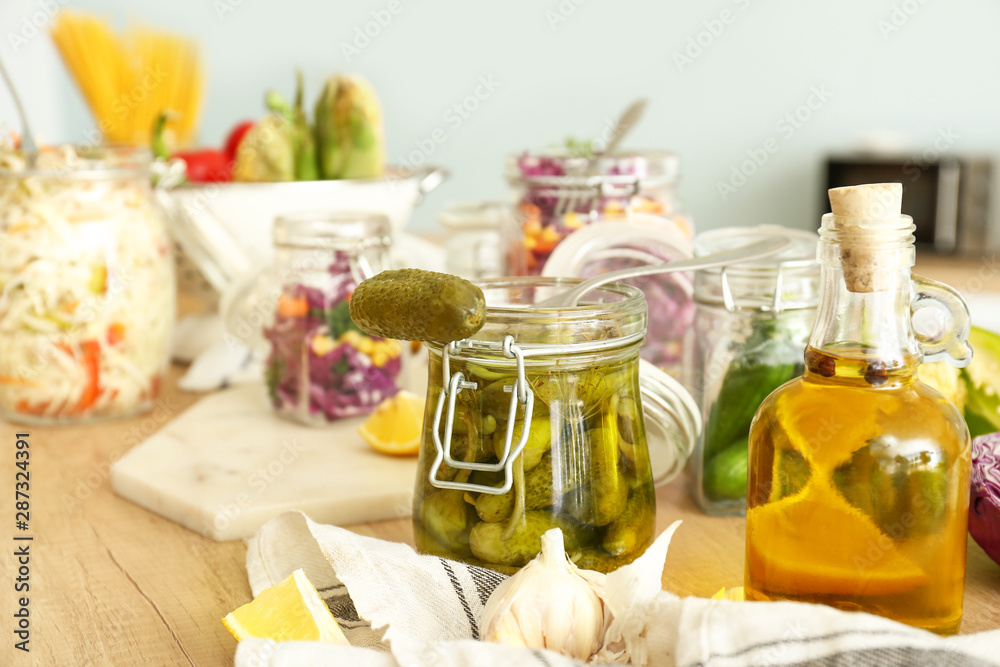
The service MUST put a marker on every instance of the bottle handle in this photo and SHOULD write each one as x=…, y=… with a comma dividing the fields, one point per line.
x=951, y=341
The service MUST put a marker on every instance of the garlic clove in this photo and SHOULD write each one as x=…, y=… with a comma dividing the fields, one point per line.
x=641, y=580
x=548, y=604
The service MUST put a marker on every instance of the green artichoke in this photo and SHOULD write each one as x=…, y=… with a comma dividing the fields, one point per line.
x=267, y=152
x=349, y=139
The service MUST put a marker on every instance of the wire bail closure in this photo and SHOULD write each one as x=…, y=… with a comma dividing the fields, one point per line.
x=520, y=393
x=777, y=303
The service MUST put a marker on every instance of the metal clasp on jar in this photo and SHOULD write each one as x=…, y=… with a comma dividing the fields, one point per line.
x=520, y=393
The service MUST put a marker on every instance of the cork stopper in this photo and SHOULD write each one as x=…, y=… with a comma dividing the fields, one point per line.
x=860, y=211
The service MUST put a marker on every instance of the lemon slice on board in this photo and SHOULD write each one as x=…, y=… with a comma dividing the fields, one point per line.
x=394, y=427
x=291, y=610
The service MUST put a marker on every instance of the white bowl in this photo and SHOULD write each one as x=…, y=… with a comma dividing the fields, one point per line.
x=225, y=228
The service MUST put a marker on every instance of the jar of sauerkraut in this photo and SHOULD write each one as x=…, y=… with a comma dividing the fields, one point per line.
x=88, y=294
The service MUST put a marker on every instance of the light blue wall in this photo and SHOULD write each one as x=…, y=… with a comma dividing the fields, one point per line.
x=938, y=70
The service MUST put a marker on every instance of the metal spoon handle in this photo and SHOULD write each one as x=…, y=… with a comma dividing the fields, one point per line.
x=624, y=125
x=27, y=138
x=759, y=250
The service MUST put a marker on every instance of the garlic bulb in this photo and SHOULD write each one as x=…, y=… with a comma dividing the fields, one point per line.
x=548, y=604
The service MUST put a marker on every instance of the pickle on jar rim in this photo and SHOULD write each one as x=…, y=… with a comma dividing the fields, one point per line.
x=413, y=304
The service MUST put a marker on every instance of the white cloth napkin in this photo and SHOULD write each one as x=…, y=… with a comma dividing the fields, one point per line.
x=400, y=609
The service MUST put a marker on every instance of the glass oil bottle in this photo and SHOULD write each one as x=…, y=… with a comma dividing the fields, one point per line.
x=858, y=473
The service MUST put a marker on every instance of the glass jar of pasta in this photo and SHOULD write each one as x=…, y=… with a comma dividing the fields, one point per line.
x=88, y=300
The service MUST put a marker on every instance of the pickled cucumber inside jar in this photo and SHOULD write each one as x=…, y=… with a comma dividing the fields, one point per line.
x=574, y=409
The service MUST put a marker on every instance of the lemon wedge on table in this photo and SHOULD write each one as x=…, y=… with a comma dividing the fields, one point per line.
x=735, y=594
x=394, y=427
x=291, y=610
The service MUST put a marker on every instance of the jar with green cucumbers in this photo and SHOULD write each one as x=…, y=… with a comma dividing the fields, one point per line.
x=537, y=422
x=752, y=322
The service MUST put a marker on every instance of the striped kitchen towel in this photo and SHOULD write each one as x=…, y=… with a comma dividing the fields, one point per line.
x=401, y=609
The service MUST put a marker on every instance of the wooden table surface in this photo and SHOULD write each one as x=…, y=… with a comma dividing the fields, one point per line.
x=114, y=584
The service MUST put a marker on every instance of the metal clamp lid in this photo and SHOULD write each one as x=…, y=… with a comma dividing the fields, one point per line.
x=520, y=392
x=778, y=304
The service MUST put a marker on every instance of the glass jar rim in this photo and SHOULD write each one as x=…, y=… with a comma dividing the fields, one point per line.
x=797, y=256
x=330, y=229
x=788, y=280
x=89, y=162
x=897, y=229
x=665, y=171
x=627, y=312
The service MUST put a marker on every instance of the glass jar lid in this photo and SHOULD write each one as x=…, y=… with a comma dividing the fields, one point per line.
x=612, y=317
x=787, y=280
x=612, y=320
x=86, y=162
x=645, y=239
x=560, y=167
x=475, y=215
x=336, y=230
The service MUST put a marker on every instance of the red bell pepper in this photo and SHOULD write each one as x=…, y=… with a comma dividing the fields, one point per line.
x=208, y=165
x=235, y=137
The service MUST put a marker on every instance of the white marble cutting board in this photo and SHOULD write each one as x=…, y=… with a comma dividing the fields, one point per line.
x=227, y=465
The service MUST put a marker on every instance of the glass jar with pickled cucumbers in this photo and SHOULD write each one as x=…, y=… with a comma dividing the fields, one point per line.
x=538, y=423
x=751, y=325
